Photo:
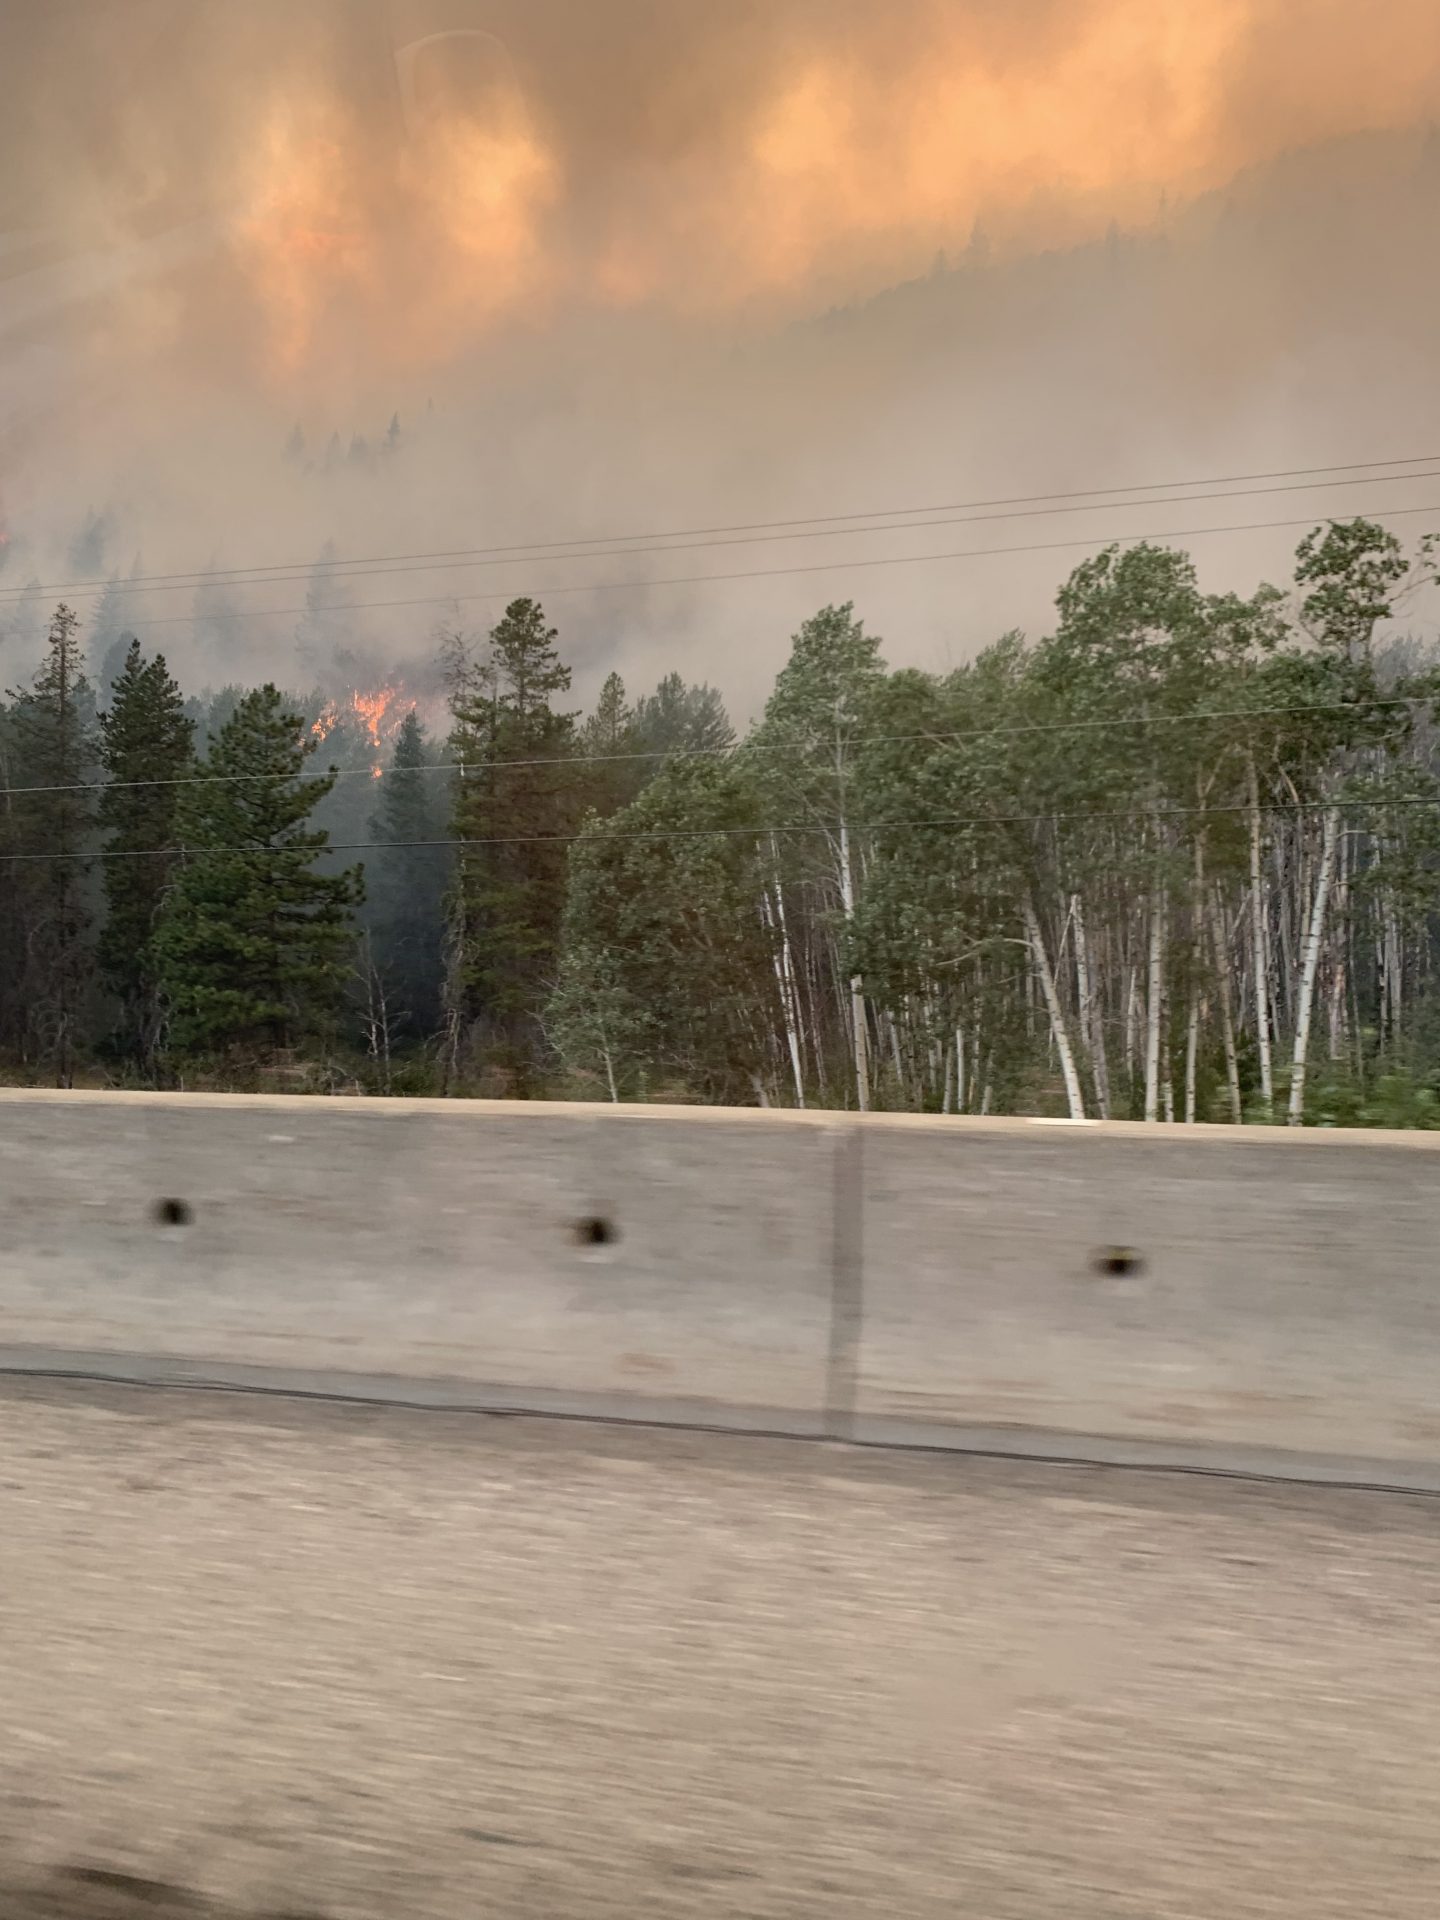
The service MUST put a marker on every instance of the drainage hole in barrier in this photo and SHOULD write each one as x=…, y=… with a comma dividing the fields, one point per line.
x=173, y=1213
x=596, y=1232
x=1118, y=1263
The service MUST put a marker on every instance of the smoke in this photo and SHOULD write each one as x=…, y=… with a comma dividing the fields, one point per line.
x=582, y=251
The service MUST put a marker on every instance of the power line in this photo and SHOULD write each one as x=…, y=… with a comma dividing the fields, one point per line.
x=779, y=573
x=787, y=829
x=581, y=760
x=379, y=566
x=760, y=526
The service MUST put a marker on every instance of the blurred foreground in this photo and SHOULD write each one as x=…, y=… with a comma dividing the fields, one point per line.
x=270, y=1658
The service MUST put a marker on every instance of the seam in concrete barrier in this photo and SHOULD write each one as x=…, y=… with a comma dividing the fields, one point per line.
x=847, y=1282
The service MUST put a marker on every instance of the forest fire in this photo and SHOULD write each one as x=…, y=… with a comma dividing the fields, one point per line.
x=374, y=715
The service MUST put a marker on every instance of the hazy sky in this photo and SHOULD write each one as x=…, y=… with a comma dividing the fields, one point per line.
x=584, y=249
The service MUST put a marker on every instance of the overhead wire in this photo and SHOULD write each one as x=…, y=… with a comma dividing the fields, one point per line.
x=644, y=585
x=892, y=520
x=761, y=830
x=937, y=735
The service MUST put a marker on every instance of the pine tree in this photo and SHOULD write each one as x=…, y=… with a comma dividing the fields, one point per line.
x=607, y=740
x=516, y=806
x=253, y=944
x=53, y=727
x=15, y=884
x=406, y=881
x=681, y=720
x=109, y=638
x=147, y=748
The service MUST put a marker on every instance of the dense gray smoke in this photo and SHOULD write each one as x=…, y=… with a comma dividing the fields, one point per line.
x=318, y=284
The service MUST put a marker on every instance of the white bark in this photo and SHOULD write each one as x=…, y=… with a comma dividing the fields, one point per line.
x=894, y=1033
x=1338, y=983
x=1192, y=1048
x=1394, y=975
x=859, y=1031
x=1227, y=1017
x=785, y=980
x=1046, y=980
x=1310, y=964
x=1092, y=1032
x=1261, y=947
x=1155, y=987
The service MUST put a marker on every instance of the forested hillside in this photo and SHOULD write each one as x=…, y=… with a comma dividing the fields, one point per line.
x=1178, y=859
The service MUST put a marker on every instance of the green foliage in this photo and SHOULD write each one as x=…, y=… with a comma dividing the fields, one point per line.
x=681, y=720
x=147, y=747
x=49, y=820
x=1395, y=1099
x=1177, y=856
x=667, y=960
x=517, y=802
x=254, y=946
x=627, y=747
x=406, y=881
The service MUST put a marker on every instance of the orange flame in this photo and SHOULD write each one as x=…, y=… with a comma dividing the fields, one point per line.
x=380, y=711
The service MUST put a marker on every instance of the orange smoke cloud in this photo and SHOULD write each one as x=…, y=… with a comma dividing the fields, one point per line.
x=414, y=250
x=844, y=155
x=304, y=235
x=857, y=158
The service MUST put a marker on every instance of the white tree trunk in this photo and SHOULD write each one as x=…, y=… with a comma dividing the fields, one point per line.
x=785, y=980
x=1197, y=961
x=1155, y=988
x=1395, y=975
x=1192, y=1048
x=1310, y=963
x=1261, y=946
x=1338, y=982
x=899, y=1064
x=1092, y=1027
x=1046, y=981
x=859, y=1031
x=1227, y=1018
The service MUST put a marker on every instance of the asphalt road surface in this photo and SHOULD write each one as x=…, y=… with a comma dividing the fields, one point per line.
x=260, y=1657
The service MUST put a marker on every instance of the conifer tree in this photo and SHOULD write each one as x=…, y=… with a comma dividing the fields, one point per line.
x=406, y=879
x=515, y=808
x=253, y=947
x=51, y=816
x=147, y=747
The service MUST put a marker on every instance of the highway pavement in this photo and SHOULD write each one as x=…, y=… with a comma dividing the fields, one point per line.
x=273, y=1658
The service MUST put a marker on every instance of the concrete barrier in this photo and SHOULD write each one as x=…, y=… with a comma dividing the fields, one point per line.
x=1171, y=1294
x=899, y=1280
x=556, y=1258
